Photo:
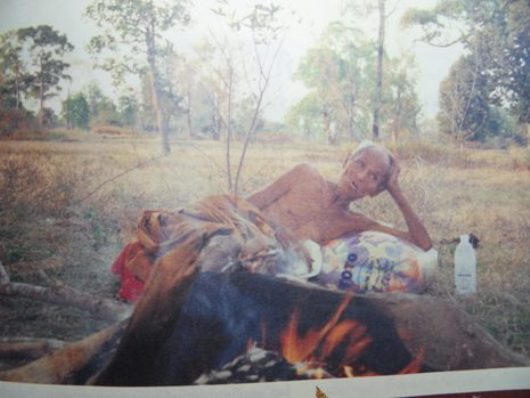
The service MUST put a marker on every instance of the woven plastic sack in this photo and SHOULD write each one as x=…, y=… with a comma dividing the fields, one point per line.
x=376, y=262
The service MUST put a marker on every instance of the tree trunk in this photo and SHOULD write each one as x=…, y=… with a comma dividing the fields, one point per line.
x=379, y=72
x=156, y=90
x=41, y=97
x=397, y=118
x=188, y=115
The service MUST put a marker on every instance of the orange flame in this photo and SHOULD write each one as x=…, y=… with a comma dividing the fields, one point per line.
x=296, y=348
x=318, y=344
x=415, y=365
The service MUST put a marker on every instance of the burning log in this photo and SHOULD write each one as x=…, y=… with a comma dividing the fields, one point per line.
x=223, y=312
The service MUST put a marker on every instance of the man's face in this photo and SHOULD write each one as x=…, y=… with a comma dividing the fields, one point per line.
x=364, y=173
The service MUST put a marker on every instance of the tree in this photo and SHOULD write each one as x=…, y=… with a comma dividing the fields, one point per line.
x=14, y=78
x=340, y=71
x=466, y=112
x=46, y=47
x=128, y=109
x=463, y=106
x=135, y=28
x=258, y=29
x=496, y=37
x=76, y=111
x=101, y=108
x=401, y=101
x=379, y=70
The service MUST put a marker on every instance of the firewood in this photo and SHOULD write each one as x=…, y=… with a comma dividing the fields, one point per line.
x=64, y=366
x=28, y=348
x=101, y=308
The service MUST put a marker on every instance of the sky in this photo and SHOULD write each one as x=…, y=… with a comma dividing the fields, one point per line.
x=67, y=17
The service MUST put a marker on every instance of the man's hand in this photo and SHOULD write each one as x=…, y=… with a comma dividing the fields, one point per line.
x=392, y=184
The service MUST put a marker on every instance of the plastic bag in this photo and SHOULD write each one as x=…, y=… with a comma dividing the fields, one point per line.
x=376, y=262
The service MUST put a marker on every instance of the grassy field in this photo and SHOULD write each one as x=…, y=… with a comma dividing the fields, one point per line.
x=67, y=206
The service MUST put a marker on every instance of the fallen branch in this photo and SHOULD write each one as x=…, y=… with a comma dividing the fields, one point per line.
x=63, y=366
x=28, y=347
x=102, y=308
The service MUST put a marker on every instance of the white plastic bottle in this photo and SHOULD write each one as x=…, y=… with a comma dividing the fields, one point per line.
x=465, y=267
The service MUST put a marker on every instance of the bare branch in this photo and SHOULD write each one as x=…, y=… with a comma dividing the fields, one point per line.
x=28, y=347
x=257, y=109
x=64, y=295
x=115, y=177
x=229, y=128
x=59, y=366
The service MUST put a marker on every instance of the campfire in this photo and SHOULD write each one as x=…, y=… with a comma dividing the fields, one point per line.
x=330, y=350
x=193, y=324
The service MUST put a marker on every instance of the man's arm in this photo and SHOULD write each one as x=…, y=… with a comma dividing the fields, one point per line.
x=355, y=223
x=417, y=233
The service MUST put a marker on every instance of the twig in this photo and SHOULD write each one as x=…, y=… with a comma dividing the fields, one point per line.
x=4, y=277
x=257, y=110
x=108, y=181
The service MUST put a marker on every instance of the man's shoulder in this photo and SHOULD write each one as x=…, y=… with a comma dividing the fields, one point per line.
x=306, y=169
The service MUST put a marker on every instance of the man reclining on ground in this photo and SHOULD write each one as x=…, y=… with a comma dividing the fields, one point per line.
x=302, y=205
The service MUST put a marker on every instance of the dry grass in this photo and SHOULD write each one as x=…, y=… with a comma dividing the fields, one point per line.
x=54, y=219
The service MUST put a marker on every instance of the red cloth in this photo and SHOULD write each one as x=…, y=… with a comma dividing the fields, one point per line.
x=132, y=286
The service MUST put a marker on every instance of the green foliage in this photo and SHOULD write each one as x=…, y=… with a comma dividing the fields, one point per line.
x=305, y=116
x=496, y=36
x=40, y=77
x=46, y=48
x=128, y=109
x=14, y=78
x=102, y=109
x=13, y=120
x=134, y=28
x=340, y=72
x=75, y=111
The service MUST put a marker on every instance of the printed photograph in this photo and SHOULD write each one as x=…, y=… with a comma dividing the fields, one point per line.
x=235, y=192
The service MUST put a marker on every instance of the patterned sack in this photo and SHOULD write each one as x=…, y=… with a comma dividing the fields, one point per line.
x=376, y=262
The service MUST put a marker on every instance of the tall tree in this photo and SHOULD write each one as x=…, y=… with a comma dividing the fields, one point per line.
x=379, y=70
x=135, y=28
x=46, y=47
x=14, y=77
x=340, y=72
x=496, y=36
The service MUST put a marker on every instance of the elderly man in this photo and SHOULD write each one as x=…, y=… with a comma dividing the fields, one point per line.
x=314, y=208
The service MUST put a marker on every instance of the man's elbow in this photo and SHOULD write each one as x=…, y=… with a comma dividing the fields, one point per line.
x=424, y=243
